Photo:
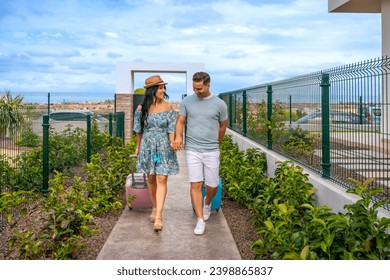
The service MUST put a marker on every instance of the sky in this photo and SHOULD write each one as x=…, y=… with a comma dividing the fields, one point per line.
x=73, y=45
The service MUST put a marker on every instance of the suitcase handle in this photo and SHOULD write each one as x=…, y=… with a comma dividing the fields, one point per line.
x=132, y=157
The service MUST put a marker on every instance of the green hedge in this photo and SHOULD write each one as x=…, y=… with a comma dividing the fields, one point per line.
x=289, y=224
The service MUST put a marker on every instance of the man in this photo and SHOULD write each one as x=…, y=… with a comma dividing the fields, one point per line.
x=205, y=117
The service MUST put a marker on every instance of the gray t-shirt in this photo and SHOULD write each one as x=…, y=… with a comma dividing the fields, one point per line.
x=203, y=117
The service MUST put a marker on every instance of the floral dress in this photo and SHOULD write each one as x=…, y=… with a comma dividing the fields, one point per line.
x=155, y=155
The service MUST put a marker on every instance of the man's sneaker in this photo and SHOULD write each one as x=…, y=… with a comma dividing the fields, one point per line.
x=200, y=227
x=206, y=210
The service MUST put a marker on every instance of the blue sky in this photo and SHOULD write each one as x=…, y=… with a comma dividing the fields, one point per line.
x=74, y=45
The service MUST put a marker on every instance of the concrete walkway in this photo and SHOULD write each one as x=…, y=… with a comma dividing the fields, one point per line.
x=133, y=237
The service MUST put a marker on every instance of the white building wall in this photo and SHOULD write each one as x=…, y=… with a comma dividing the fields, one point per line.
x=386, y=84
x=373, y=6
x=385, y=10
x=125, y=73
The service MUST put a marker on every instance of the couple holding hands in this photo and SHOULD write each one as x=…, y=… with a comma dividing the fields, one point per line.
x=159, y=133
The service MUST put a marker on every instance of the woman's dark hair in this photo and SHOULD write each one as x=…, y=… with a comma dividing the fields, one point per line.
x=149, y=99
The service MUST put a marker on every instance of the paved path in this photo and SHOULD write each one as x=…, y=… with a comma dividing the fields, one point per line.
x=133, y=237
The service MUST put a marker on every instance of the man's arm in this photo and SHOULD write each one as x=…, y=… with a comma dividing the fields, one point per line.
x=179, y=130
x=222, y=130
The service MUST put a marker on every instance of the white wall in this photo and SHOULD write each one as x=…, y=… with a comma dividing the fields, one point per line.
x=125, y=73
x=386, y=84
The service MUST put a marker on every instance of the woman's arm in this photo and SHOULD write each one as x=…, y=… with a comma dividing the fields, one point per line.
x=138, y=143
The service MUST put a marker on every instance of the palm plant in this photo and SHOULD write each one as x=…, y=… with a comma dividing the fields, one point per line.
x=11, y=114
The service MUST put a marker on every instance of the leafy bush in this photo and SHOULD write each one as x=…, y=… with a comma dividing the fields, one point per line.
x=241, y=180
x=28, y=139
x=105, y=176
x=290, y=225
x=66, y=148
x=67, y=219
x=5, y=170
x=99, y=139
x=298, y=142
x=365, y=234
x=67, y=212
x=27, y=173
x=258, y=124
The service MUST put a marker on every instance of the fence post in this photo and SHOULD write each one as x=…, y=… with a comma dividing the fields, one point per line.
x=120, y=124
x=244, y=114
x=89, y=138
x=110, y=126
x=290, y=109
x=45, y=154
x=235, y=108
x=360, y=110
x=230, y=110
x=269, y=117
x=325, y=126
x=48, y=103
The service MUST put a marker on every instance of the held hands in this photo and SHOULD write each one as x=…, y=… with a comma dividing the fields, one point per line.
x=172, y=144
x=177, y=145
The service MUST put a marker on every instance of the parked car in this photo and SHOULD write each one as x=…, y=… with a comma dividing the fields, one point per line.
x=372, y=113
x=75, y=115
x=334, y=117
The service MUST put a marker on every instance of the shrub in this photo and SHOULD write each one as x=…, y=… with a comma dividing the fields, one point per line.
x=290, y=225
x=298, y=143
x=28, y=139
x=241, y=180
x=67, y=212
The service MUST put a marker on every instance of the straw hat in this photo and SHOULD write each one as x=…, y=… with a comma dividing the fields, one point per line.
x=154, y=81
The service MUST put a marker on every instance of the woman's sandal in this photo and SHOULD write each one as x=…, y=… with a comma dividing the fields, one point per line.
x=158, y=225
x=152, y=216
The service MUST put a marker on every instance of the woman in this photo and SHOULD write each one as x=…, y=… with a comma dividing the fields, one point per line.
x=154, y=124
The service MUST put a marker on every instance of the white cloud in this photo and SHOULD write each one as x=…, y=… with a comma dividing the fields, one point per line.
x=74, y=46
x=112, y=35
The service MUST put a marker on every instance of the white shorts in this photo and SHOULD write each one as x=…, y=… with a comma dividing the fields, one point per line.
x=203, y=166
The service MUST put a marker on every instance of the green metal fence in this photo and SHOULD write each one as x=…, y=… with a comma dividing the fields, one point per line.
x=334, y=121
x=25, y=149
